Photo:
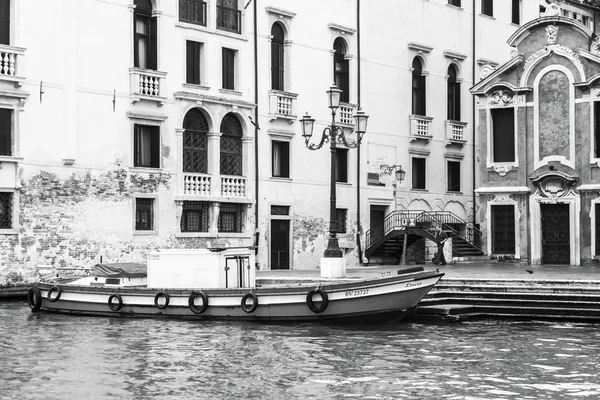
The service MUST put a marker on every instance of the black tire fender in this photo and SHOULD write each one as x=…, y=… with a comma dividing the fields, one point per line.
x=158, y=296
x=311, y=304
x=34, y=299
x=58, y=290
x=193, y=307
x=119, y=305
x=252, y=308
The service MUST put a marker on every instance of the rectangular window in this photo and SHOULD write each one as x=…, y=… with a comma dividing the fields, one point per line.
x=597, y=227
x=280, y=210
x=229, y=17
x=144, y=214
x=341, y=167
x=454, y=2
x=192, y=56
x=341, y=76
x=418, y=173
x=6, y=210
x=228, y=69
x=453, y=100
x=341, y=215
x=194, y=216
x=585, y=20
x=5, y=22
x=516, y=12
x=453, y=176
x=596, y=129
x=503, y=131
x=144, y=47
x=230, y=217
x=281, y=159
x=5, y=132
x=192, y=11
x=146, y=146
x=487, y=7
x=418, y=95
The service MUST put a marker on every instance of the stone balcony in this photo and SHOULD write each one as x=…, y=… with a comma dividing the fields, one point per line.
x=202, y=185
x=455, y=133
x=420, y=128
x=10, y=57
x=282, y=105
x=148, y=85
x=345, y=115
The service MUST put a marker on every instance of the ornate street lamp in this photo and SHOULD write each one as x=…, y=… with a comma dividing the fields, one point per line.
x=334, y=135
x=388, y=169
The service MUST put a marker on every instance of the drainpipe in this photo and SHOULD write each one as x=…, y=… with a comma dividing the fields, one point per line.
x=358, y=226
x=256, y=130
x=474, y=121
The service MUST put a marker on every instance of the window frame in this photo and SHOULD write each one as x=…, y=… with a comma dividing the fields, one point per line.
x=192, y=4
x=341, y=76
x=10, y=219
x=228, y=68
x=7, y=136
x=493, y=137
x=455, y=3
x=453, y=94
x=222, y=10
x=284, y=163
x=417, y=175
x=203, y=212
x=418, y=88
x=515, y=17
x=454, y=173
x=487, y=8
x=341, y=174
x=153, y=198
x=277, y=58
x=194, y=54
x=151, y=61
x=155, y=146
x=238, y=214
x=341, y=216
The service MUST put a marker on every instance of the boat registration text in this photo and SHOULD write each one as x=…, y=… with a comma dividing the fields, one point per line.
x=358, y=292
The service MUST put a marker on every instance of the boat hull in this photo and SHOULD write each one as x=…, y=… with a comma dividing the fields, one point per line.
x=388, y=297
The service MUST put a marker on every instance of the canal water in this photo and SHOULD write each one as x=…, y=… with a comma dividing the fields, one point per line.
x=45, y=356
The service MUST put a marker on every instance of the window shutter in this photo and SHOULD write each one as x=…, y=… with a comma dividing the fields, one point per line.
x=275, y=67
x=153, y=45
x=193, y=62
x=457, y=101
x=5, y=22
x=155, y=146
x=285, y=160
x=5, y=132
x=137, y=145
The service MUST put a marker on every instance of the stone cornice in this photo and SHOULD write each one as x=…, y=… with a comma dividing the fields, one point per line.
x=280, y=12
x=203, y=98
x=454, y=55
x=342, y=29
x=420, y=47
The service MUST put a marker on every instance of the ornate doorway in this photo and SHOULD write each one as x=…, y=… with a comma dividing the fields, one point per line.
x=556, y=238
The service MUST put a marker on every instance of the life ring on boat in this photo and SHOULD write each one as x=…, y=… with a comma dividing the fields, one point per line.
x=195, y=309
x=34, y=298
x=158, y=296
x=311, y=304
x=252, y=308
x=113, y=306
x=52, y=290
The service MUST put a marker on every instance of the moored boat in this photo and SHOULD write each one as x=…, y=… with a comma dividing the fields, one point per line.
x=221, y=284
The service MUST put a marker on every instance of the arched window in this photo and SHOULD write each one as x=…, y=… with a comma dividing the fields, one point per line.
x=340, y=69
x=144, y=33
x=453, y=94
x=418, y=88
x=277, y=60
x=195, y=142
x=231, y=146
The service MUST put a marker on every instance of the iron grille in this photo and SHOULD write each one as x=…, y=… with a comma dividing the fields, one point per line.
x=341, y=215
x=144, y=214
x=231, y=146
x=503, y=229
x=280, y=210
x=6, y=201
x=230, y=217
x=194, y=216
x=192, y=11
x=597, y=229
x=195, y=142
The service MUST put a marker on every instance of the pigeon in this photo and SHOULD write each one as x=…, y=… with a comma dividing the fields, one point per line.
x=530, y=271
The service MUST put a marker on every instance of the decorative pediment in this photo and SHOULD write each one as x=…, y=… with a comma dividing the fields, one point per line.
x=496, y=74
x=554, y=184
x=501, y=97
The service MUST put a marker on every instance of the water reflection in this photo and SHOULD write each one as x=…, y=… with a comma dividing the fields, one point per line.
x=61, y=357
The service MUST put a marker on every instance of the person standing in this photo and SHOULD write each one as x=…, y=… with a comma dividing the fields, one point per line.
x=440, y=238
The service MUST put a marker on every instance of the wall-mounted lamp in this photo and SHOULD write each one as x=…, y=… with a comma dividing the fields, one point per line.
x=388, y=169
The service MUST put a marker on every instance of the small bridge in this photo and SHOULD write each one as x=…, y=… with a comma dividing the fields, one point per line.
x=387, y=238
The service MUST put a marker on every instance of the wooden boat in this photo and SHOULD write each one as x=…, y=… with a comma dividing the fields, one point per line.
x=221, y=284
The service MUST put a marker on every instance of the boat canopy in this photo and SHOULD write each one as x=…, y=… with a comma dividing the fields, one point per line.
x=120, y=270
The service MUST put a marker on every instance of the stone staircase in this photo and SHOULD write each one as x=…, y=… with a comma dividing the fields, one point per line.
x=462, y=299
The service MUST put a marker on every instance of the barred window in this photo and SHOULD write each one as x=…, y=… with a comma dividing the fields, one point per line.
x=144, y=214
x=230, y=217
x=341, y=215
x=194, y=216
x=195, y=142
x=6, y=205
x=192, y=11
x=231, y=146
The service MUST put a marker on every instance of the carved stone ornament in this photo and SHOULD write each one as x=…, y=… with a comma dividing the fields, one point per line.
x=554, y=186
x=502, y=97
x=551, y=31
x=596, y=91
x=556, y=48
x=502, y=170
x=485, y=71
x=595, y=46
x=551, y=10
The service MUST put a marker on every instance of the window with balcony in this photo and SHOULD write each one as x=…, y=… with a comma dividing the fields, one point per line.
x=229, y=17
x=6, y=210
x=146, y=146
x=453, y=94
x=230, y=217
x=281, y=159
x=487, y=7
x=231, y=145
x=341, y=215
x=503, y=134
x=454, y=2
x=144, y=214
x=228, y=67
x=193, y=55
x=195, y=157
x=418, y=173
x=418, y=88
x=145, y=35
x=194, y=216
x=341, y=166
x=192, y=11
x=516, y=12
x=341, y=76
x=6, y=132
x=5, y=22
x=277, y=57
x=453, y=176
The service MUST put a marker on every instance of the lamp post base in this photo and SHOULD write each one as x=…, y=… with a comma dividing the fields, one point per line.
x=333, y=267
x=333, y=249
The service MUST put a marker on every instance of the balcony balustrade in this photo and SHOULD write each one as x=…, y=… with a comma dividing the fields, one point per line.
x=147, y=85
x=420, y=128
x=345, y=114
x=282, y=105
x=455, y=133
x=9, y=64
x=233, y=186
x=196, y=184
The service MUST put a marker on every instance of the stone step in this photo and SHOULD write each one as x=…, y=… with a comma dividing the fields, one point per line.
x=466, y=311
x=539, y=302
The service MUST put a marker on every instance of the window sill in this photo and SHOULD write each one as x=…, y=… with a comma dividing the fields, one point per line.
x=343, y=183
x=595, y=162
x=449, y=192
x=196, y=27
x=213, y=235
x=195, y=86
x=231, y=34
x=145, y=233
x=459, y=8
x=419, y=190
x=10, y=159
x=231, y=91
x=145, y=169
x=9, y=232
x=487, y=16
x=281, y=179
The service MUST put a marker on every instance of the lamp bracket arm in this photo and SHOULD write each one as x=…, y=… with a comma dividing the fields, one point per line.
x=324, y=139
